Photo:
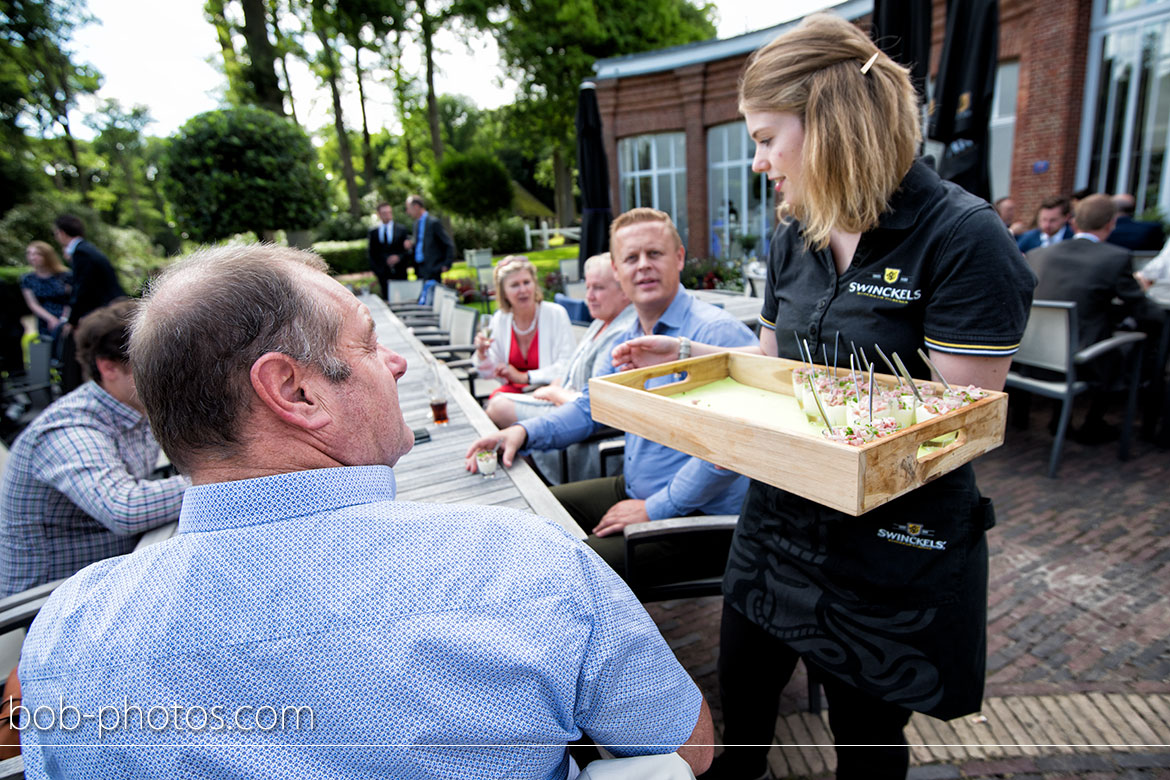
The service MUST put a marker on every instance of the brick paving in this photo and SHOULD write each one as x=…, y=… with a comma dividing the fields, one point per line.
x=1079, y=624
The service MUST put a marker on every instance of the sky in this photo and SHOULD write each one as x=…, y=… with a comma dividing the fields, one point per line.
x=162, y=55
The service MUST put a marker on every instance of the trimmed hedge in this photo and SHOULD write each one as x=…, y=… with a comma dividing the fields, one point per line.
x=344, y=257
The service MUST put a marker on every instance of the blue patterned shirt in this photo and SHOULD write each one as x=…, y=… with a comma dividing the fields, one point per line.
x=425, y=640
x=672, y=483
x=76, y=490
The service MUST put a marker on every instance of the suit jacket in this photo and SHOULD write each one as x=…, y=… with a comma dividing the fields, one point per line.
x=437, y=247
x=95, y=283
x=1137, y=236
x=379, y=250
x=1031, y=240
x=1091, y=275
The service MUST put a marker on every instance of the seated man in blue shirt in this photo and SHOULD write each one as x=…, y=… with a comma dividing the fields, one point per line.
x=658, y=482
x=76, y=489
x=303, y=622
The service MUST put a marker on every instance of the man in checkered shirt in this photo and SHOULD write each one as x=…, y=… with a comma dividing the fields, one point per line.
x=76, y=490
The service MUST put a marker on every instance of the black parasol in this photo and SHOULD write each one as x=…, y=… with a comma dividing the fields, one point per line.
x=961, y=110
x=593, y=177
x=901, y=28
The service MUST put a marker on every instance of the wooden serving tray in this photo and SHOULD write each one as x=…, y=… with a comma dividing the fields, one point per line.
x=851, y=479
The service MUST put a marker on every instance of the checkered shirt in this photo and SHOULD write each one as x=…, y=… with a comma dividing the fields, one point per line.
x=430, y=641
x=75, y=489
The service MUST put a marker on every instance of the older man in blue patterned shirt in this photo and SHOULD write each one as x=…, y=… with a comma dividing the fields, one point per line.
x=303, y=622
x=76, y=490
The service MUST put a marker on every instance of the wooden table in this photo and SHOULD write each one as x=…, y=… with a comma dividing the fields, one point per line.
x=433, y=471
x=744, y=308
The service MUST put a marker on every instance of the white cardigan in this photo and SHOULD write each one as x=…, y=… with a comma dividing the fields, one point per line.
x=554, y=352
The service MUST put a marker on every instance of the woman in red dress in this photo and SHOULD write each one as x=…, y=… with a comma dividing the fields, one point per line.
x=529, y=341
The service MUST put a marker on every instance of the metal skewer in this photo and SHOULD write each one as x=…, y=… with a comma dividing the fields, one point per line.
x=820, y=407
x=889, y=365
x=871, y=393
x=825, y=354
x=854, y=350
x=796, y=337
x=836, y=345
x=933, y=368
x=864, y=360
x=909, y=379
x=808, y=352
x=853, y=373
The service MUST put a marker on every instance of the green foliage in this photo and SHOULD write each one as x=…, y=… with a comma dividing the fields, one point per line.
x=504, y=236
x=341, y=226
x=473, y=185
x=241, y=169
x=344, y=257
x=134, y=256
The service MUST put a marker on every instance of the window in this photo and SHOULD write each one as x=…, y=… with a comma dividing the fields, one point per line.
x=1001, y=134
x=1127, y=104
x=737, y=199
x=653, y=172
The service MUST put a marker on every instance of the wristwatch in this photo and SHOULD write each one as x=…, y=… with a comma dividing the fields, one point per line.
x=684, y=348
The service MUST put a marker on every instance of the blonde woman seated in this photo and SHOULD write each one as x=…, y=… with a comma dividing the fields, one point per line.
x=612, y=314
x=530, y=341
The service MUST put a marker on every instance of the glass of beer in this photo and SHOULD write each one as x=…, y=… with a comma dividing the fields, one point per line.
x=438, y=405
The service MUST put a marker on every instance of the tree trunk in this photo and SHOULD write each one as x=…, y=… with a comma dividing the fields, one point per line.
x=428, y=31
x=400, y=85
x=262, y=68
x=214, y=10
x=351, y=189
x=566, y=208
x=282, y=58
x=369, y=172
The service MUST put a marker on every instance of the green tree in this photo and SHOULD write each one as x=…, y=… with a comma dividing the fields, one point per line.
x=473, y=184
x=550, y=46
x=120, y=141
x=241, y=169
x=251, y=71
x=39, y=81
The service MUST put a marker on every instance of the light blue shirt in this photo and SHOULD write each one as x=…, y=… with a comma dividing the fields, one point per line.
x=672, y=483
x=428, y=641
x=418, y=242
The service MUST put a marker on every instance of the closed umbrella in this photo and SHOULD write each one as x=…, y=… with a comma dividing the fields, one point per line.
x=593, y=177
x=901, y=28
x=961, y=110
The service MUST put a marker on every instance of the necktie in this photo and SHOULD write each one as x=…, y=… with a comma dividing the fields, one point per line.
x=385, y=233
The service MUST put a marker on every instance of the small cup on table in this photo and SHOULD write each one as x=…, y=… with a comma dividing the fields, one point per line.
x=438, y=405
x=485, y=462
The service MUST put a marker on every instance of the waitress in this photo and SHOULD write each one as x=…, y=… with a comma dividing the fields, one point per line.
x=873, y=246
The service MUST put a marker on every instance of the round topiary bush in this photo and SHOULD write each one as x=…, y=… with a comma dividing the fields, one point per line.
x=243, y=169
x=474, y=185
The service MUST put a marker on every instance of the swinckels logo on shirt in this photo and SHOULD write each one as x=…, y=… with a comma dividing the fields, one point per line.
x=889, y=285
x=913, y=535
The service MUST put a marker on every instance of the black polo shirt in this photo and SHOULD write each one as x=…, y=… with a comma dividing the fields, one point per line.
x=939, y=270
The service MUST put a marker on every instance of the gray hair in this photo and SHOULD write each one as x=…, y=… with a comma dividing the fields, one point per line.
x=202, y=325
x=595, y=262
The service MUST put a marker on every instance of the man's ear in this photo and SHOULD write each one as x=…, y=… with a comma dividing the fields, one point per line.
x=288, y=390
x=106, y=367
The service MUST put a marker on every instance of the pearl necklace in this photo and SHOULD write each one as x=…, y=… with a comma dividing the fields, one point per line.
x=527, y=330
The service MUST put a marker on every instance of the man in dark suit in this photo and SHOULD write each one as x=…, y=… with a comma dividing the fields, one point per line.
x=1133, y=234
x=1092, y=273
x=434, y=251
x=95, y=284
x=1053, y=226
x=387, y=249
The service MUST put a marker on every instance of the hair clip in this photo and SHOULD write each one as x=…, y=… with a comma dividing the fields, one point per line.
x=869, y=63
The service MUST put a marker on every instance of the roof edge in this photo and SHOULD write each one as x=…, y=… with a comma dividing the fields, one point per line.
x=715, y=49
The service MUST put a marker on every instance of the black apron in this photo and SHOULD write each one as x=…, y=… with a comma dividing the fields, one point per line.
x=893, y=602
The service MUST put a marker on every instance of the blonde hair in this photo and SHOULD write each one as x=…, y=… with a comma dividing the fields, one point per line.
x=603, y=260
x=861, y=130
x=49, y=255
x=505, y=268
x=644, y=214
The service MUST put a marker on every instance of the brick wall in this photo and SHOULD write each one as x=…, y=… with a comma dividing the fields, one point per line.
x=1048, y=37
